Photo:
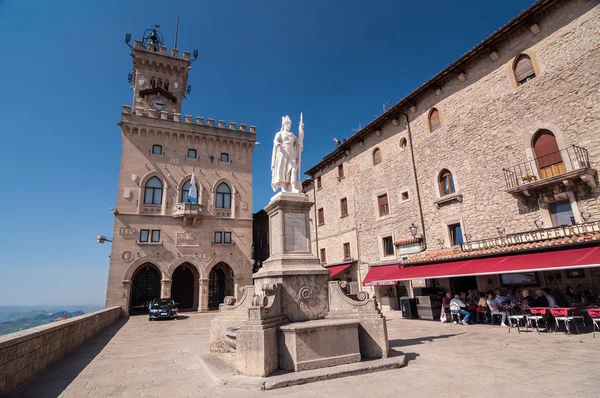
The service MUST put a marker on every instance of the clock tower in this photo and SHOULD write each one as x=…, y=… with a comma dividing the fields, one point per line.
x=183, y=210
x=160, y=79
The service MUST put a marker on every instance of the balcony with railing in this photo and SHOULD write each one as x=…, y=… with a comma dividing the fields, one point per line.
x=565, y=166
x=189, y=213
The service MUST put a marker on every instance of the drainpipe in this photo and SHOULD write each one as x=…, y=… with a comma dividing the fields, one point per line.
x=414, y=167
x=315, y=217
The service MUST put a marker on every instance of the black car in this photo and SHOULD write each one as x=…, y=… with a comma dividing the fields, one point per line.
x=164, y=308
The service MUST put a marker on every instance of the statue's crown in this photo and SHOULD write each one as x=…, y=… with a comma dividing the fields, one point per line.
x=286, y=118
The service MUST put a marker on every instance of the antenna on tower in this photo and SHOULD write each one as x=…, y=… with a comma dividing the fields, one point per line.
x=176, y=31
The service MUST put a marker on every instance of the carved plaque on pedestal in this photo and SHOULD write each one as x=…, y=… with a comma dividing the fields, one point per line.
x=295, y=232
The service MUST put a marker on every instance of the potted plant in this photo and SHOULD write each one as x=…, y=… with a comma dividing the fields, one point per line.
x=528, y=178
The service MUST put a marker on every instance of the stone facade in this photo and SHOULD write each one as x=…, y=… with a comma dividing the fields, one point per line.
x=186, y=249
x=487, y=124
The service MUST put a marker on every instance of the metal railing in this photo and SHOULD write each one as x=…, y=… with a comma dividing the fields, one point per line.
x=568, y=159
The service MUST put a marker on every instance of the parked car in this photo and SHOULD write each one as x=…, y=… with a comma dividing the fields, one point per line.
x=164, y=308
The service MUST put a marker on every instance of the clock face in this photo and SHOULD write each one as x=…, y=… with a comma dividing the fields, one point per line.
x=158, y=103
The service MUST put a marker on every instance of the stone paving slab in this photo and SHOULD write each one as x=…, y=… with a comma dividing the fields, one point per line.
x=162, y=359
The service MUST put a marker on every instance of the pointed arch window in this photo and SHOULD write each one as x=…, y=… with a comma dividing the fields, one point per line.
x=446, y=183
x=152, y=82
x=153, y=192
x=223, y=196
x=376, y=156
x=524, y=69
x=166, y=84
x=185, y=190
x=434, y=120
x=159, y=82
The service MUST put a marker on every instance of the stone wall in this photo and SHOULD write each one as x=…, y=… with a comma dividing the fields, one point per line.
x=487, y=125
x=26, y=353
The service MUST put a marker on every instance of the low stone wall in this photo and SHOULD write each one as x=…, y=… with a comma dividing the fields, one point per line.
x=24, y=354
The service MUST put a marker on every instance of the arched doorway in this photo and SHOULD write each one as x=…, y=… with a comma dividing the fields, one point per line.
x=220, y=284
x=145, y=287
x=184, y=286
x=547, y=154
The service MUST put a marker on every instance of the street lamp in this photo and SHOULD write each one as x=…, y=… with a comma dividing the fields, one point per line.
x=102, y=239
x=413, y=230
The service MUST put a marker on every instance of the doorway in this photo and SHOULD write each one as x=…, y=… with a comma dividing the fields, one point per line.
x=220, y=285
x=463, y=284
x=183, y=286
x=145, y=287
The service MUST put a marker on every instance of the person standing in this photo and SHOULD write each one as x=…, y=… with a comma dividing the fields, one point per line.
x=446, y=304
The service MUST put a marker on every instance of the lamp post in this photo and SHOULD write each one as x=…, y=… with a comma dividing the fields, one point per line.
x=102, y=239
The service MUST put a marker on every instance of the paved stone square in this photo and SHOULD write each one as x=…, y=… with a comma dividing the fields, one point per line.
x=137, y=358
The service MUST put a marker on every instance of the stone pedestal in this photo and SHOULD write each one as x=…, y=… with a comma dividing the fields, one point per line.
x=291, y=262
x=318, y=344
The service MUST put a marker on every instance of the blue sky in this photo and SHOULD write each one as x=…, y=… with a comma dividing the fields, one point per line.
x=64, y=69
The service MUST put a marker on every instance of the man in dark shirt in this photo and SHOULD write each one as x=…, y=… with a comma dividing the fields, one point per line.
x=541, y=300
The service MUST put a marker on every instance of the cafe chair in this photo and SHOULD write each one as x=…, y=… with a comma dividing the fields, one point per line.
x=594, y=313
x=514, y=317
x=562, y=314
x=535, y=315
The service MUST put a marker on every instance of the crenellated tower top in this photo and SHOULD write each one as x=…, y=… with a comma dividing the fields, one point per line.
x=159, y=78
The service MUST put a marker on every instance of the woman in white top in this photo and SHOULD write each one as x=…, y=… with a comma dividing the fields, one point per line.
x=493, y=305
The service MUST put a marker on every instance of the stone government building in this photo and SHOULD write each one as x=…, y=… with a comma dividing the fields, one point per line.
x=493, y=155
x=163, y=245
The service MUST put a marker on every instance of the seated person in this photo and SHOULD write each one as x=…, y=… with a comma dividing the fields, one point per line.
x=473, y=297
x=527, y=299
x=482, y=301
x=500, y=299
x=495, y=308
x=511, y=297
x=549, y=298
x=585, y=296
x=541, y=300
x=571, y=296
x=462, y=309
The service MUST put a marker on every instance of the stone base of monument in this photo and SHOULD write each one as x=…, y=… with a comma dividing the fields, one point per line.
x=220, y=368
x=292, y=319
x=318, y=344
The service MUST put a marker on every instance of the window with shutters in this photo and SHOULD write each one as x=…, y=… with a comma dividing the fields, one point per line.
x=523, y=69
x=382, y=204
x=547, y=154
x=388, y=245
x=376, y=156
x=446, y=183
x=323, y=256
x=434, y=120
x=321, y=216
x=319, y=183
x=343, y=207
x=346, y=250
x=455, y=234
x=340, y=171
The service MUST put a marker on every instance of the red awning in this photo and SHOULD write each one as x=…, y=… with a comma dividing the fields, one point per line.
x=532, y=262
x=381, y=275
x=336, y=269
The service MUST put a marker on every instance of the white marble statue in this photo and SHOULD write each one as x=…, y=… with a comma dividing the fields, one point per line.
x=286, y=160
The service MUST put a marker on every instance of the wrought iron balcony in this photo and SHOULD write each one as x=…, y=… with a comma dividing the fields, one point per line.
x=564, y=166
x=189, y=213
